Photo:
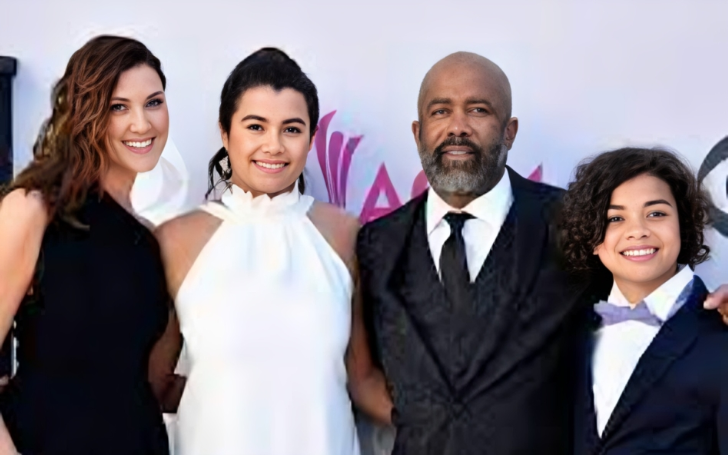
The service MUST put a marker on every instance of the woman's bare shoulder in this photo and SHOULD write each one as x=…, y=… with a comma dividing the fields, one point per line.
x=23, y=211
x=186, y=228
x=338, y=227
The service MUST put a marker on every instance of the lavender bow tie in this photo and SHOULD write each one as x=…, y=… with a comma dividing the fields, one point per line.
x=614, y=314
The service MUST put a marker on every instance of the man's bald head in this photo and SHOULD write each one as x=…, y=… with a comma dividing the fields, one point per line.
x=489, y=73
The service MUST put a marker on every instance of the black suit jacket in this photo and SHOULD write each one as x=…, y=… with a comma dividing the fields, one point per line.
x=520, y=400
x=676, y=401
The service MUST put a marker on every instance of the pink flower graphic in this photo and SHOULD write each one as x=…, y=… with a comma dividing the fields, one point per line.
x=537, y=174
x=335, y=160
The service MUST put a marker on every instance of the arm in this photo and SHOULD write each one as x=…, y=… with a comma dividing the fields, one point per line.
x=6, y=443
x=23, y=219
x=166, y=384
x=367, y=385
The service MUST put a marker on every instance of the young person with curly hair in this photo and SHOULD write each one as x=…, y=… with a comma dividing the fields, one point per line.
x=655, y=370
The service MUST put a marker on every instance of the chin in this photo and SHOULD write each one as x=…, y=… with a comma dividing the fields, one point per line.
x=644, y=276
x=146, y=163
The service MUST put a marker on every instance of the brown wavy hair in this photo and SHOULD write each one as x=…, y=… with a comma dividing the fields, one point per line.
x=70, y=155
x=584, y=215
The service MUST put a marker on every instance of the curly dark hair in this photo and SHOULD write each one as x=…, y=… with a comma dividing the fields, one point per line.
x=584, y=215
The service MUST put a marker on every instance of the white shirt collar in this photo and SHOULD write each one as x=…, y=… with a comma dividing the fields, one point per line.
x=663, y=301
x=492, y=207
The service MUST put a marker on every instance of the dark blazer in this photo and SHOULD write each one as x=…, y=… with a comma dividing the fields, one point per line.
x=518, y=393
x=676, y=401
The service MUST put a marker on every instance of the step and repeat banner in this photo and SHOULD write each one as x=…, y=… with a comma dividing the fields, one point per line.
x=586, y=77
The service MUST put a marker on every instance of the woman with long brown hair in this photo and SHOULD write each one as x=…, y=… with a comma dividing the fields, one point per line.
x=80, y=274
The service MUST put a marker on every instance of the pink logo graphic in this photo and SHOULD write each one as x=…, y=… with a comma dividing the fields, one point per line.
x=335, y=162
x=537, y=174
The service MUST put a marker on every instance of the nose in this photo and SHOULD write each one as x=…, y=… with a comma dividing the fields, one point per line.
x=459, y=125
x=637, y=229
x=273, y=145
x=140, y=124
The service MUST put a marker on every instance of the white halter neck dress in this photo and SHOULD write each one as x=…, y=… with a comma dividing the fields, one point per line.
x=265, y=312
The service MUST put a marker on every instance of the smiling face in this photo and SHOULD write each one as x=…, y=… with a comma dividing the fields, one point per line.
x=642, y=240
x=465, y=130
x=139, y=121
x=268, y=140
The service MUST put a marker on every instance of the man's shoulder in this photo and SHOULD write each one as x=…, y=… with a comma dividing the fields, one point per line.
x=396, y=219
x=547, y=193
x=548, y=197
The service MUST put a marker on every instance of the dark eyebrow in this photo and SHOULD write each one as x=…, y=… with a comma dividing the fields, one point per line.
x=438, y=101
x=647, y=204
x=254, y=117
x=263, y=119
x=657, y=201
x=155, y=94
x=124, y=100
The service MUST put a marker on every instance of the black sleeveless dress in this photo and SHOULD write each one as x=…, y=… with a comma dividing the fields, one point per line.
x=84, y=339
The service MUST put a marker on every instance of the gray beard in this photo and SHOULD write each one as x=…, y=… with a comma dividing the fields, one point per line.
x=476, y=176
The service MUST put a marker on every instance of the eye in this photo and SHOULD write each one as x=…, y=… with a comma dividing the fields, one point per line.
x=438, y=112
x=614, y=219
x=480, y=110
x=292, y=129
x=656, y=214
x=117, y=107
x=155, y=102
x=255, y=127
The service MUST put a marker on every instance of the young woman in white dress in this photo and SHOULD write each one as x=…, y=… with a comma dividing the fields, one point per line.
x=263, y=282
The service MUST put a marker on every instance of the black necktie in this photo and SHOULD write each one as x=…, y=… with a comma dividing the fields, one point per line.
x=454, y=264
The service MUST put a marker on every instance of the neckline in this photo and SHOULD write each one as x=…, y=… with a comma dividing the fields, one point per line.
x=122, y=213
x=491, y=207
x=242, y=202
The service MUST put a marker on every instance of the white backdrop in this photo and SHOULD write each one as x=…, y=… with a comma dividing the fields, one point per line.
x=586, y=76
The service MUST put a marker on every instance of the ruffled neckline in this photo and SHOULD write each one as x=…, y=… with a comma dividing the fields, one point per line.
x=242, y=202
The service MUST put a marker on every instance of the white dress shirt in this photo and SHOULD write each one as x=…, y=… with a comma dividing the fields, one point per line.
x=489, y=212
x=618, y=347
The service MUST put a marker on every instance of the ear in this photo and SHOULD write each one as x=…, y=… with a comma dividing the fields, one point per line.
x=510, y=132
x=224, y=137
x=416, y=132
x=313, y=139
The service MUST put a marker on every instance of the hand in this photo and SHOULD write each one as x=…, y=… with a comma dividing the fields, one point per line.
x=718, y=300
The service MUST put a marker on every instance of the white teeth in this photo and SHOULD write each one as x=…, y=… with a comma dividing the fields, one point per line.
x=457, y=152
x=270, y=166
x=139, y=145
x=639, y=252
